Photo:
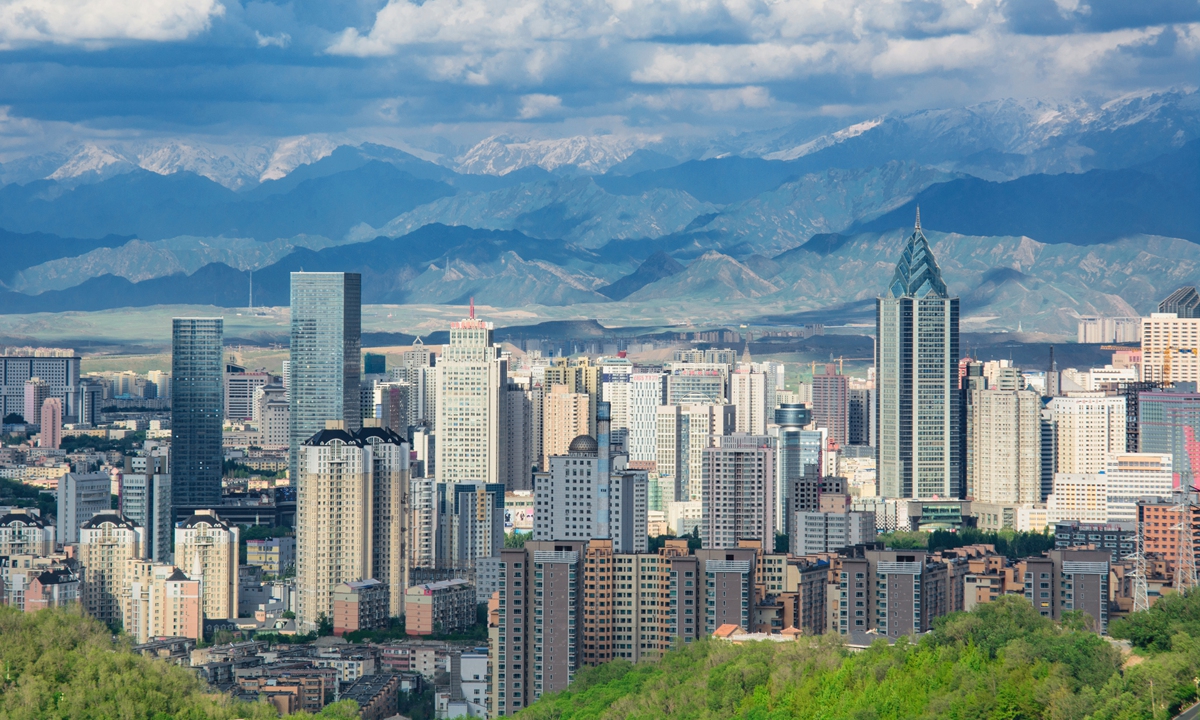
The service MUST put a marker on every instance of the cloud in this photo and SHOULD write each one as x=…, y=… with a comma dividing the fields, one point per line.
x=282, y=40
x=98, y=23
x=537, y=105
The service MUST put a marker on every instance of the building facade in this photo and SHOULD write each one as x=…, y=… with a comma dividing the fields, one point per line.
x=917, y=350
x=206, y=548
x=197, y=412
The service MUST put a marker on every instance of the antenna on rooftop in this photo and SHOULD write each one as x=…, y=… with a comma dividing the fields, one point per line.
x=918, y=225
x=472, y=307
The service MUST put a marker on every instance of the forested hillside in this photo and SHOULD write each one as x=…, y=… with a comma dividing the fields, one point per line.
x=58, y=664
x=1002, y=661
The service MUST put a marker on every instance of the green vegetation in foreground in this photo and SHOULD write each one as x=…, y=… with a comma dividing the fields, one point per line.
x=60, y=665
x=1001, y=662
x=1007, y=542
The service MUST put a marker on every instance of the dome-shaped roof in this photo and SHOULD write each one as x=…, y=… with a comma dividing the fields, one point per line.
x=583, y=444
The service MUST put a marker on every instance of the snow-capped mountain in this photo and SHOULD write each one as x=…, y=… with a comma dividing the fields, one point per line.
x=501, y=154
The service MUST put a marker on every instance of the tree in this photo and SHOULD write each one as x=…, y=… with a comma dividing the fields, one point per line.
x=324, y=625
x=14, y=419
x=516, y=539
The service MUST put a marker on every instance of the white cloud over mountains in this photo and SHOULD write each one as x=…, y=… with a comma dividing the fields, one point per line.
x=98, y=23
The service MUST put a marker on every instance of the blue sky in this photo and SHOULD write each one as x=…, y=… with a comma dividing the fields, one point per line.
x=463, y=69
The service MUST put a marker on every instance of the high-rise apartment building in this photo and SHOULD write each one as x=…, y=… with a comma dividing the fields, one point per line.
x=1069, y=579
x=566, y=416
x=50, y=423
x=893, y=592
x=1170, y=348
x=22, y=532
x=80, y=496
x=1088, y=427
x=163, y=602
x=1004, y=445
x=748, y=392
x=353, y=516
x=647, y=391
x=822, y=532
x=1078, y=496
x=738, y=494
x=519, y=460
x=325, y=358
x=683, y=431
x=146, y=500
x=860, y=421
x=1169, y=422
x=578, y=377
x=470, y=523
x=698, y=383
x=831, y=403
x=471, y=380
x=272, y=413
x=206, y=549
x=918, y=412
x=197, y=412
x=109, y=547
x=37, y=391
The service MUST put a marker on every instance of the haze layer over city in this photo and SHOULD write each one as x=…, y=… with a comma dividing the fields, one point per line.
x=481, y=358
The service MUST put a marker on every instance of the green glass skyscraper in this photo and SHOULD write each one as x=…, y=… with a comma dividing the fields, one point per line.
x=919, y=408
x=197, y=411
x=326, y=349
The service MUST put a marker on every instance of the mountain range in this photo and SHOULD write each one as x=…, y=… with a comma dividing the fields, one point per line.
x=1041, y=211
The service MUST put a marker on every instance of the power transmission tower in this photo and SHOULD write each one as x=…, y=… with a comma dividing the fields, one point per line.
x=1141, y=593
x=1185, y=547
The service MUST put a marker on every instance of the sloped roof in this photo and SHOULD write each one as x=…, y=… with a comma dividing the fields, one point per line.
x=917, y=273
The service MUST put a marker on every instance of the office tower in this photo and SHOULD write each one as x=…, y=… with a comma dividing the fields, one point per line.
x=1004, y=446
x=739, y=491
x=50, y=423
x=1170, y=348
x=89, y=400
x=519, y=460
x=109, y=546
x=748, y=391
x=80, y=496
x=325, y=363
x=822, y=532
x=697, y=383
x=146, y=501
x=206, y=548
x=162, y=383
x=627, y=510
x=893, y=592
x=470, y=379
x=1069, y=579
x=1184, y=302
x=271, y=414
x=1088, y=427
x=470, y=523
x=197, y=399
x=683, y=431
x=566, y=416
x=24, y=533
x=240, y=387
x=646, y=392
x=831, y=404
x=59, y=375
x=37, y=392
x=1132, y=476
x=918, y=410
x=374, y=364
x=860, y=420
x=163, y=602
x=387, y=461
x=1169, y=422
x=353, y=516
x=796, y=460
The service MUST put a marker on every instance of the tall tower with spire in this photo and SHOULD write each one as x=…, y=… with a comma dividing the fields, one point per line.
x=919, y=409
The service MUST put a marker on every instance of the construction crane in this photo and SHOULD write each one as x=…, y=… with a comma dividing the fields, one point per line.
x=839, y=360
x=1168, y=352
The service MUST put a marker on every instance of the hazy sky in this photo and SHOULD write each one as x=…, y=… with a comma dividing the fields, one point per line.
x=466, y=68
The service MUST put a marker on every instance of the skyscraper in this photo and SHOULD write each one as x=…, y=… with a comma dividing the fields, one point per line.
x=916, y=324
x=197, y=410
x=471, y=378
x=831, y=403
x=323, y=375
x=1004, y=445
